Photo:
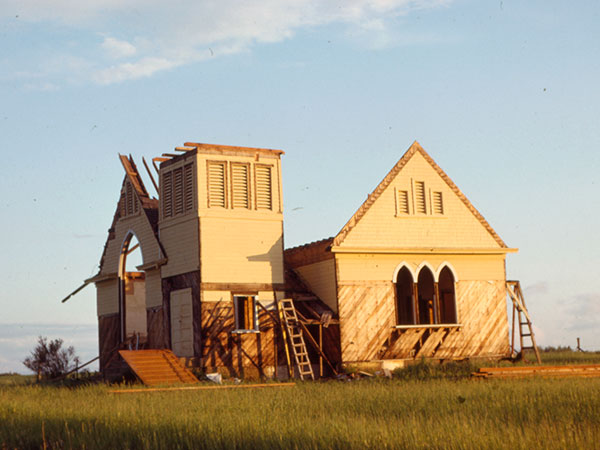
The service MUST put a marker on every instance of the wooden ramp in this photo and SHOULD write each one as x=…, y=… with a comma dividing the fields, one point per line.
x=155, y=367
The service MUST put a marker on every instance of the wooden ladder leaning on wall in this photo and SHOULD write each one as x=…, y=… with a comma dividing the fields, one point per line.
x=289, y=318
x=520, y=313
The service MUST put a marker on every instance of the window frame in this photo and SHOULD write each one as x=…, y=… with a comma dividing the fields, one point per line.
x=238, y=327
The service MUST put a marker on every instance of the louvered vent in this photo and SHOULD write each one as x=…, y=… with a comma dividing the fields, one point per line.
x=216, y=185
x=167, y=194
x=122, y=206
x=240, y=192
x=263, y=187
x=188, y=182
x=403, y=202
x=438, y=203
x=129, y=198
x=178, y=190
x=420, y=205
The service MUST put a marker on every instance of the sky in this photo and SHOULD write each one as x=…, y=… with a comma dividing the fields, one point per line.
x=504, y=95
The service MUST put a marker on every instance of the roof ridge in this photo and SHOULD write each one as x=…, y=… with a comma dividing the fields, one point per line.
x=373, y=196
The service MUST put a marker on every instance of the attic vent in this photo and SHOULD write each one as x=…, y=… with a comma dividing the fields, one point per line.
x=216, y=185
x=178, y=188
x=402, y=201
x=438, y=204
x=263, y=187
x=122, y=206
x=167, y=194
x=188, y=182
x=420, y=205
x=240, y=189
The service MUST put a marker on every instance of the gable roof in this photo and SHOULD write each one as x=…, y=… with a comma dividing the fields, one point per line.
x=372, y=198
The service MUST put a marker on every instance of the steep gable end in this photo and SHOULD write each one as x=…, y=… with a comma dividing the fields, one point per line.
x=417, y=205
x=136, y=212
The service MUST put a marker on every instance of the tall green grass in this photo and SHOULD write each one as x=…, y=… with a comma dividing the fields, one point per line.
x=373, y=413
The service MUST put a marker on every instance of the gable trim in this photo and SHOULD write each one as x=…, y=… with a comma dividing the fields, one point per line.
x=373, y=196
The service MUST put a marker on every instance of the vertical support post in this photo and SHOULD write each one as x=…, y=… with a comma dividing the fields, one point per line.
x=415, y=304
x=321, y=347
x=436, y=303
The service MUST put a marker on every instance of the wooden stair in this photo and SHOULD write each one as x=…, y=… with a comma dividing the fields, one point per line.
x=154, y=367
x=288, y=316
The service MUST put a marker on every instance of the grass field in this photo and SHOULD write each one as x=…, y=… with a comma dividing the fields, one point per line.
x=433, y=412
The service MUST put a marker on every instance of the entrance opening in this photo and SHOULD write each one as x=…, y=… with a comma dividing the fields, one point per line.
x=447, y=296
x=132, y=293
x=404, y=298
x=426, y=292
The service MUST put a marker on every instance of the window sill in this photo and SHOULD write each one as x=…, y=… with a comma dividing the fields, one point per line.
x=245, y=332
x=428, y=325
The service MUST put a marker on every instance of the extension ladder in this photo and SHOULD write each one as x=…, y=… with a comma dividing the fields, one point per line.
x=288, y=316
x=521, y=314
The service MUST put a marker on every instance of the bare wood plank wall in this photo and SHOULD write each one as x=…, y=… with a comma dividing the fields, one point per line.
x=108, y=337
x=239, y=355
x=366, y=311
x=481, y=309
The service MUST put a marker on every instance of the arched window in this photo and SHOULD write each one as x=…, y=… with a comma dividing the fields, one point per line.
x=404, y=298
x=447, y=296
x=426, y=291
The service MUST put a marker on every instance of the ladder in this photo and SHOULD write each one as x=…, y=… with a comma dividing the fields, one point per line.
x=288, y=316
x=520, y=313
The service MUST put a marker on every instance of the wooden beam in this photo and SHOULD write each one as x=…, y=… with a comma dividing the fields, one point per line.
x=150, y=175
x=85, y=283
x=242, y=287
x=316, y=346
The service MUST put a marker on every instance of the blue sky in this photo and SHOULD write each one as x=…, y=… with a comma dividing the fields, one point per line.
x=504, y=95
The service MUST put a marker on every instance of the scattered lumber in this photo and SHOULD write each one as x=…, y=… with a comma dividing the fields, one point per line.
x=579, y=370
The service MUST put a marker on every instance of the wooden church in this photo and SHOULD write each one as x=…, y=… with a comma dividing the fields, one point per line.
x=416, y=271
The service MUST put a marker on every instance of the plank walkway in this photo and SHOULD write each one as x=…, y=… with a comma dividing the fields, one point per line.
x=154, y=367
x=579, y=370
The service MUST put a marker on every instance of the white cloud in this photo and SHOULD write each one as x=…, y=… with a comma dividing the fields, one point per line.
x=155, y=36
x=118, y=49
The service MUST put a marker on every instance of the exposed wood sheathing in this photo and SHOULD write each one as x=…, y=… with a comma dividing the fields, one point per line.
x=366, y=314
x=108, y=337
x=481, y=312
x=239, y=355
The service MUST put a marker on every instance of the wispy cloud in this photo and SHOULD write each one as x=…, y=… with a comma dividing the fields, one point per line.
x=143, y=37
x=582, y=312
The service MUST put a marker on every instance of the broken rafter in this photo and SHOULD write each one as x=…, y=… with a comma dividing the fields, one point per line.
x=150, y=175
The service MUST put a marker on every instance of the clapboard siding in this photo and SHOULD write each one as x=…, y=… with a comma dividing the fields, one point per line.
x=180, y=241
x=241, y=251
x=140, y=226
x=320, y=278
x=153, y=289
x=107, y=295
x=382, y=226
x=377, y=267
